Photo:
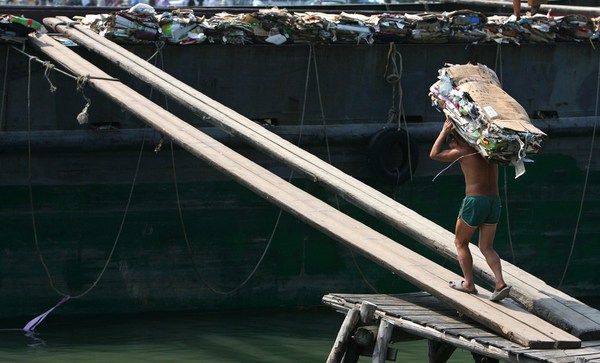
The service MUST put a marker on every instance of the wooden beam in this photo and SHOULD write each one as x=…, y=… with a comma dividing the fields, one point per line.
x=346, y=330
x=439, y=352
x=381, y=342
x=552, y=304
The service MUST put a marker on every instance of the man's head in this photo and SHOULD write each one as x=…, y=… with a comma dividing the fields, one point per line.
x=451, y=138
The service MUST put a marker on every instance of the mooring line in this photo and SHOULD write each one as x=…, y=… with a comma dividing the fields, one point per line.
x=65, y=297
x=498, y=68
x=395, y=65
x=585, y=182
x=4, y=81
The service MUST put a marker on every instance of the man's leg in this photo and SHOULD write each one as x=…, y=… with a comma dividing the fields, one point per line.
x=487, y=232
x=463, y=234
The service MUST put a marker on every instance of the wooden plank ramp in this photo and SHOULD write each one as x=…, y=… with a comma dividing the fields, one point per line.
x=506, y=318
x=374, y=321
x=534, y=294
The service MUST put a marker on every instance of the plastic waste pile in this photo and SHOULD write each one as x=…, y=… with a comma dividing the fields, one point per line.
x=278, y=26
x=485, y=116
x=16, y=28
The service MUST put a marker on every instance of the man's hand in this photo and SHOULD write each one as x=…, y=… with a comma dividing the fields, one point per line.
x=447, y=128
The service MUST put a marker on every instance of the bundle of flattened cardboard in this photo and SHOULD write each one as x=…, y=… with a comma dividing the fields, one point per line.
x=487, y=117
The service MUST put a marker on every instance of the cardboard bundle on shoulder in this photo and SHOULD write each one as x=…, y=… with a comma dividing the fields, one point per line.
x=487, y=117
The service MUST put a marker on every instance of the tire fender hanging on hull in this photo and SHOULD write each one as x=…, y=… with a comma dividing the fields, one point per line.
x=392, y=155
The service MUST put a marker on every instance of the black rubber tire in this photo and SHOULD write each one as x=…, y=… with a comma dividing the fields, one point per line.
x=392, y=156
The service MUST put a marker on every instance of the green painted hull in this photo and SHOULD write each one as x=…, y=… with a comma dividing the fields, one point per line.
x=203, y=242
x=214, y=245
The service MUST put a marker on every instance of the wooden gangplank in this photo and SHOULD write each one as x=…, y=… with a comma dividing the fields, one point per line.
x=422, y=315
x=506, y=318
x=538, y=297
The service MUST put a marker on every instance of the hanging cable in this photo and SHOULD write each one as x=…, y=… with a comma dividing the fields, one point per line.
x=158, y=57
x=313, y=54
x=585, y=182
x=452, y=163
x=3, y=103
x=510, y=243
x=498, y=68
x=32, y=209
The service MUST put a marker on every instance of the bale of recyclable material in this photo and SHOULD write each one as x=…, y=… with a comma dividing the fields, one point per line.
x=485, y=116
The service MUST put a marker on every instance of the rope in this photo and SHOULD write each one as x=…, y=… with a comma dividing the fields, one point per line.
x=159, y=44
x=585, y=183
x=83, y=117
x=498, y=68
x=393, y=75
x=312, y=54
x=322, y=109
x=2, y=121
x=510, y=243
x=32, y=210
x=498, y=62
x=49, y=67
x=31, y=57
x=452, y=163
x=158, y=57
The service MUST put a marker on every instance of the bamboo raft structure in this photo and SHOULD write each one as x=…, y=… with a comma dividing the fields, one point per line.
x=513, y=321
x=375, y=321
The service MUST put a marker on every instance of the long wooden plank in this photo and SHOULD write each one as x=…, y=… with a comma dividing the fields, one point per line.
x=406, y=263
x=538, y=297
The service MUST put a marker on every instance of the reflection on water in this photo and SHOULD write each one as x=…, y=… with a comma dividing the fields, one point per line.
x=304, y=336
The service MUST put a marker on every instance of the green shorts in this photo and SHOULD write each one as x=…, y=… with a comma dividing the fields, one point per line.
x=478, y=210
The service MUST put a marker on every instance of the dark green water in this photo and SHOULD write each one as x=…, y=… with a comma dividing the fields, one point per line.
x=298, y=336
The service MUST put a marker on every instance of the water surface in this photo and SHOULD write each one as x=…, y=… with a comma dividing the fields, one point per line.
x=223, y=337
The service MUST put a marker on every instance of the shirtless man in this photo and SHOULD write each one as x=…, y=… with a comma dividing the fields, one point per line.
x=480, y=209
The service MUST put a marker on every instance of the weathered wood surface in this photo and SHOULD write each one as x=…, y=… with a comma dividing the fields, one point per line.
x=538, y=297
x=343, y=337
x=505, y=318
x=464, y=333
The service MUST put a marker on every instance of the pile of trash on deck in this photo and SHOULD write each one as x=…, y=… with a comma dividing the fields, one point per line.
x=277, y=26
x=485, y=116
x=14, y=29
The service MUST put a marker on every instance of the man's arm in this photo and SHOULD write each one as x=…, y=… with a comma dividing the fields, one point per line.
x=437, y=150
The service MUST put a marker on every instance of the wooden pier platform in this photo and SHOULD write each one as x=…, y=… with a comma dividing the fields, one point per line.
x=373, y=321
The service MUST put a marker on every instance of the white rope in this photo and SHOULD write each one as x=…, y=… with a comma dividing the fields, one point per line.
x=585, y=183
x=452, y=163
